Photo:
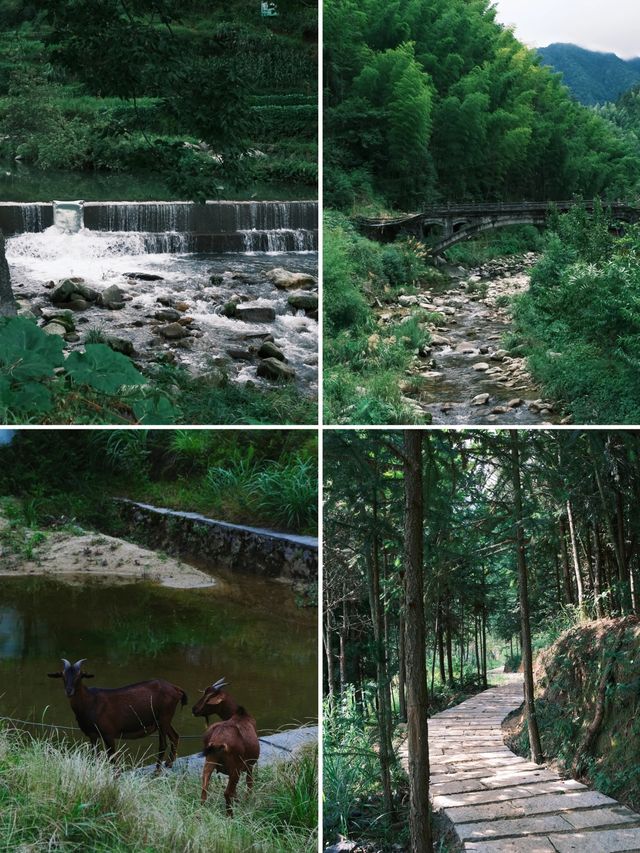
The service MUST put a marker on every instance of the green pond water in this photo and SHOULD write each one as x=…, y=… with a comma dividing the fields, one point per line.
x=22, y=183
x=246, y=629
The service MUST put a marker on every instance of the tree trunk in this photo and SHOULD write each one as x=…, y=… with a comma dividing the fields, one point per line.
x=574, y=555
x=382, y=676
x=417, y=734
x=402, y=677
x=525, y=627
x=566, y=575
x=597, y=574
x=449, y=644
x=443, y=677
x=328, y=650
x=8, y=306
x=344, y=634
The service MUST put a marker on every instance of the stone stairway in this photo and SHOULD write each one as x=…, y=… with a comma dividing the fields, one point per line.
x=499, y=802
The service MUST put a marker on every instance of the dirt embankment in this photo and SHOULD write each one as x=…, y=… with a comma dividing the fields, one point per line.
x=587, y=704
x=77, y=556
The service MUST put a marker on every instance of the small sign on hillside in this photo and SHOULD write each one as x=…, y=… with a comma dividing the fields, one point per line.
x=268, y=9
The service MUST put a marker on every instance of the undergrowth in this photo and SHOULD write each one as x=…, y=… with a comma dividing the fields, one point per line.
x=65, y=797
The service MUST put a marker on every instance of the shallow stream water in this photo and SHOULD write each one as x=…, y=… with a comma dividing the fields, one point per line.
x=102, y=258
x=246, y=629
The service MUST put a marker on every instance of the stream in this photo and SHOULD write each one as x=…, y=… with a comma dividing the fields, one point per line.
x=466, y=375
x=164, y=278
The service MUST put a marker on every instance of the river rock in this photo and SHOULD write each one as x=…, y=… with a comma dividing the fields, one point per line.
x=305, y=301
x=499, y=410
x=407, y=301
x=112, y=298
x=143, y=276
x=240, y=354
x=173, y=332
x=439, y=341
x=272, y=368
x=229, y=309
x=122, y=345
x=168, y=315
x=256, y=314
x=55, y=329
x=270, y=350
x=467, y=348
x=517, y=401
x=63, y=318
x=286, y=280
x=481, y=400
x=481, y=366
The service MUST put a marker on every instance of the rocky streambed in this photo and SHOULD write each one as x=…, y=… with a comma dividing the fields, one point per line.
x=251, y=316
x=466, y=375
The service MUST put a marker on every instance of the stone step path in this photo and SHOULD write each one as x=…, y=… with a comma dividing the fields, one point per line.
x=501, y=803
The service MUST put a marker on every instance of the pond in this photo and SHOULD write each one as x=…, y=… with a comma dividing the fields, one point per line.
x=246, y=629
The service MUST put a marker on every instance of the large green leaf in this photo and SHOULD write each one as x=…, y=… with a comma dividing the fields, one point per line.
x=26, y=352
x=103, y=369
x=155, y=410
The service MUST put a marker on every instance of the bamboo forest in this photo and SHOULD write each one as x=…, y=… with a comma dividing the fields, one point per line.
x=480, y=635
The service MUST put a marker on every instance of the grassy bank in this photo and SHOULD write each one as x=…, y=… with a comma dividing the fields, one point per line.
x=266, y=479
x=64, y=797
x=39, y=384
x=568, y=678
x=365, y=359
x=579, y=322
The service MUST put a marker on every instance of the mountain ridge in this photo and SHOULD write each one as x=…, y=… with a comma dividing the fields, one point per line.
x=594, y=77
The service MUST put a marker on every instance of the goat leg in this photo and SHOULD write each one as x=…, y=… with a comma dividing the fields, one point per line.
x=207, y=770
x=174, y=737
x=230, y=790
x=162, y=748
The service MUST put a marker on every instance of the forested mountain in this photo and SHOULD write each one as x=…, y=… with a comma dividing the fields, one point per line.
x=593, y=77
x=433, y=99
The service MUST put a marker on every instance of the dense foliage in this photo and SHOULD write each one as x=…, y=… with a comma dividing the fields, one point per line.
x=182, y=89
x=579, y=490
x=266, y=477
x=363, y=363
x=432, y=99
x=593, y=77
x=580, y=319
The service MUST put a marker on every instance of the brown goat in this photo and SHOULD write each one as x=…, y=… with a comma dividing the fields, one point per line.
x=131, y=712
x=230, y=747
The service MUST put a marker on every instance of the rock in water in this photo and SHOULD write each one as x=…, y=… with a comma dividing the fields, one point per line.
x=270, y=350
x=285, y=280
x=257, y=314
x=112, y=297
x=174, y=331
x=143, y=276
x=122, y=345
x=480, y=400
x=272, y=368
x=306, y=301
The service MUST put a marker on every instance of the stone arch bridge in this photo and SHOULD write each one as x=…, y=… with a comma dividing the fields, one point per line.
x=444, y=226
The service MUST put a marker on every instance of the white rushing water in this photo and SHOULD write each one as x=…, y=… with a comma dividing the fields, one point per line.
x=103, y=258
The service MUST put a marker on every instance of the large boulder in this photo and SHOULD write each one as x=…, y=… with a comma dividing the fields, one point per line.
x=173, y=332
x=255, y=314
x=270, y=350
x=112, y=297
x=306, y=301
x=273, y=368
x=287, y=280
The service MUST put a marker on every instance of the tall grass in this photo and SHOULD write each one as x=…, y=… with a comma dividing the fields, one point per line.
x=65, y=797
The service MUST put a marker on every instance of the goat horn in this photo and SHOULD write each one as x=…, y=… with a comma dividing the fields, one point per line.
x=65, y=662
x=219, y=683
x=79, y=663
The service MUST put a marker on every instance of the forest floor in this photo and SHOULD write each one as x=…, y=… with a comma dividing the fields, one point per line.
x=75, y=555
x=469, y=375
x=501, y=802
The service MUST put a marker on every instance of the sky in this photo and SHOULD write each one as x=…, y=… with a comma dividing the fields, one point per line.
x=612, y=26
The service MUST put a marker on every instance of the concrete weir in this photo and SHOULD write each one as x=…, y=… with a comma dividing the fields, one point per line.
x=215, y=226
x=499, y=802
x=219, y=544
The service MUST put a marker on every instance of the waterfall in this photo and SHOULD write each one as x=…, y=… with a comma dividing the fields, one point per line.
x=178, y=226
x=68, y=216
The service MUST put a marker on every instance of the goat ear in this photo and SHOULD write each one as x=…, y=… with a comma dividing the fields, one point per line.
x=87, y=675
x=54, y=675
x=215, y=700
